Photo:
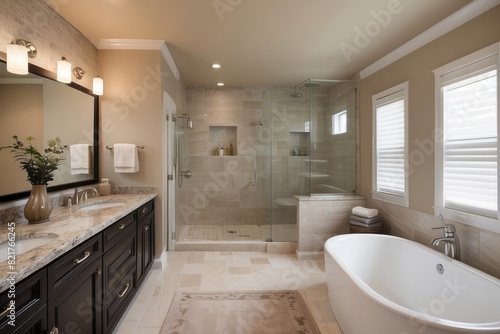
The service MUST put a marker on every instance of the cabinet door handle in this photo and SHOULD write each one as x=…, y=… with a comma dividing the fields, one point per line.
x=54, y=330
x=146, y=228
x=98, y=271
x=4, y=312
x=85, y=256
x=144, y=210
x=121, y=294
x=121, y=226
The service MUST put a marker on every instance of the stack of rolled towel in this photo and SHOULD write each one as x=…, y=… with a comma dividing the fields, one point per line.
x=365, y=217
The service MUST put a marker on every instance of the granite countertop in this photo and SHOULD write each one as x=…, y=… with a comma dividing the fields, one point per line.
x=70, y=227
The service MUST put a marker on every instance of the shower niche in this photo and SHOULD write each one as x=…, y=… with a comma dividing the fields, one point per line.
x=299, y=143
x=222, y=140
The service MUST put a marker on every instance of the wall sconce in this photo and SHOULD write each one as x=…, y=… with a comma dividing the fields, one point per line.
x=17, y=56
x=63, y=70
x=78, y=72
x=98, y=86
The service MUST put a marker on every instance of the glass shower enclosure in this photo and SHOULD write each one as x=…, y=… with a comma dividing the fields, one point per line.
x=251, y=151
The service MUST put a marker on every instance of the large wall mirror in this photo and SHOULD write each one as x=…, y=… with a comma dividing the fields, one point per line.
x=37, y=105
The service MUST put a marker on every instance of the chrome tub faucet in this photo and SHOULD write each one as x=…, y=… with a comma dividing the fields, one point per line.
x=450, y=240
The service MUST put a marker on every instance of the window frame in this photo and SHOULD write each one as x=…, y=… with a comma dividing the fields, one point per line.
x=336, y=122
x=383, y=196
x=468, y=218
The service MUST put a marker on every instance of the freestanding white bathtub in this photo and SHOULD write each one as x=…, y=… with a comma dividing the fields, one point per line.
x=380, y=284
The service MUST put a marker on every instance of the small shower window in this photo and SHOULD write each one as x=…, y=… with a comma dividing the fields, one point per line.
x=339, y=123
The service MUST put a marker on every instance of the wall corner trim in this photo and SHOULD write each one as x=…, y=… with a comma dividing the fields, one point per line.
x=170, y=60
x=463, y=15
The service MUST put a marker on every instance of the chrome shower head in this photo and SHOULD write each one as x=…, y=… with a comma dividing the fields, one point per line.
x=189, y=121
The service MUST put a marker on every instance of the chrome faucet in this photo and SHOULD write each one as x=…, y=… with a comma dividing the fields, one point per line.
x=81, y=196
x=450, y=240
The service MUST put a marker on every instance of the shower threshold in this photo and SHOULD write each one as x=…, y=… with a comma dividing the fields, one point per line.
x=237, y=238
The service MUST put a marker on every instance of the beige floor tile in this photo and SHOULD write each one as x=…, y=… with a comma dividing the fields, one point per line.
x=190, y=281
x=239, y=270
x=227, y=271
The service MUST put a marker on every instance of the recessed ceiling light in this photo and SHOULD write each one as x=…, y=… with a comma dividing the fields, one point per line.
x=220, y=84
x=215, y=65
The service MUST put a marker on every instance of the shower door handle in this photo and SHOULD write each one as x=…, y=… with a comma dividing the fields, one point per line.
x=187, y=174
x=254, y=171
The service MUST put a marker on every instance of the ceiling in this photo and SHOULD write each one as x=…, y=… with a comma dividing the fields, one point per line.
x=262, y=42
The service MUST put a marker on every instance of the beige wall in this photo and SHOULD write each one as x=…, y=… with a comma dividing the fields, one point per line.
x=132, y=112
x=480, y=248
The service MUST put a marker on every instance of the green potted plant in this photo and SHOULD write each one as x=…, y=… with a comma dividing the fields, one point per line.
x=40, y=169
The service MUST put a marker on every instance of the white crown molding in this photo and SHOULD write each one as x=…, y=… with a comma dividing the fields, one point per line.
x=453, y=21
x=141, y=44
x=130, y=44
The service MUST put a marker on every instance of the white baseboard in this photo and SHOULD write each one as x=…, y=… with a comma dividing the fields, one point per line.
x=161, y=262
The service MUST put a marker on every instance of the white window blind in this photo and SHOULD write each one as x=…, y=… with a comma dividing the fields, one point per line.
x=470, y=141
x=390, y=141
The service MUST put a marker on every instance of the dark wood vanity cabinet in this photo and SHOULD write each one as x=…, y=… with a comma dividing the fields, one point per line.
x=76, y=308
x=145, y=240
x=30, y=305
x=75, y=287
x=119, y=269
x=87, y=289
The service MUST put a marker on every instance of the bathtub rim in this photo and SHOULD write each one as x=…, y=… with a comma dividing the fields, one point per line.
x=488, y=327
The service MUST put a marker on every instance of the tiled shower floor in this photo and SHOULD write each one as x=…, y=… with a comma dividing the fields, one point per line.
x=193, y=233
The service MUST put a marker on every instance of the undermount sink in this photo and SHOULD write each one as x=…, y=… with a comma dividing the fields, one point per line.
x=101, y=205
x=23, y=245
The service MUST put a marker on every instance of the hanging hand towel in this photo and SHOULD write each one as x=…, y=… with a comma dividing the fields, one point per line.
x=364, y=212
x=126, y=158
x=79, y=158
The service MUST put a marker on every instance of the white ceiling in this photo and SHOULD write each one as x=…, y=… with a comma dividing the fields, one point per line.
x=261, y=42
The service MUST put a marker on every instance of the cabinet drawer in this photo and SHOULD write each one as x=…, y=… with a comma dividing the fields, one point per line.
x=62, y=271
x=117, y=231
x=30, y=295
x=117, y=302
x=117, y=263
x=145, y=209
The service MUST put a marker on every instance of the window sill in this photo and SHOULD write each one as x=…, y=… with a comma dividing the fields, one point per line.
x=401, y=201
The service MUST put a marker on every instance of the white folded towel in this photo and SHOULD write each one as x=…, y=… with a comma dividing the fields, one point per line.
x=364, y=212
x=79, y=158
x=126, y=159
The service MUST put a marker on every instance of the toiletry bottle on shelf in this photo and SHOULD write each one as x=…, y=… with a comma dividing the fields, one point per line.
x=221, y=152
x=104, y=187
x=216, y=152
x=231, y=152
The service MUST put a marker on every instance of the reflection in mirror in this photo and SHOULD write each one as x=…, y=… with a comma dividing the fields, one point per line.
x=36, y=105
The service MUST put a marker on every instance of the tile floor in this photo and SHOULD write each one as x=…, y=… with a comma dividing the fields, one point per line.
x=227, y=271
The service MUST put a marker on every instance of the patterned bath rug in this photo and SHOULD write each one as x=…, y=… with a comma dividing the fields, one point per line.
x=247, y=312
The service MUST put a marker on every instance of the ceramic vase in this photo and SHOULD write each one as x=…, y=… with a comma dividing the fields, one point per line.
x=38, y=207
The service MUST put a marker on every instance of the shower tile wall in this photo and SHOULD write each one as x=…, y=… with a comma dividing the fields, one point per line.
x=220, y=190
x=333, y=157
